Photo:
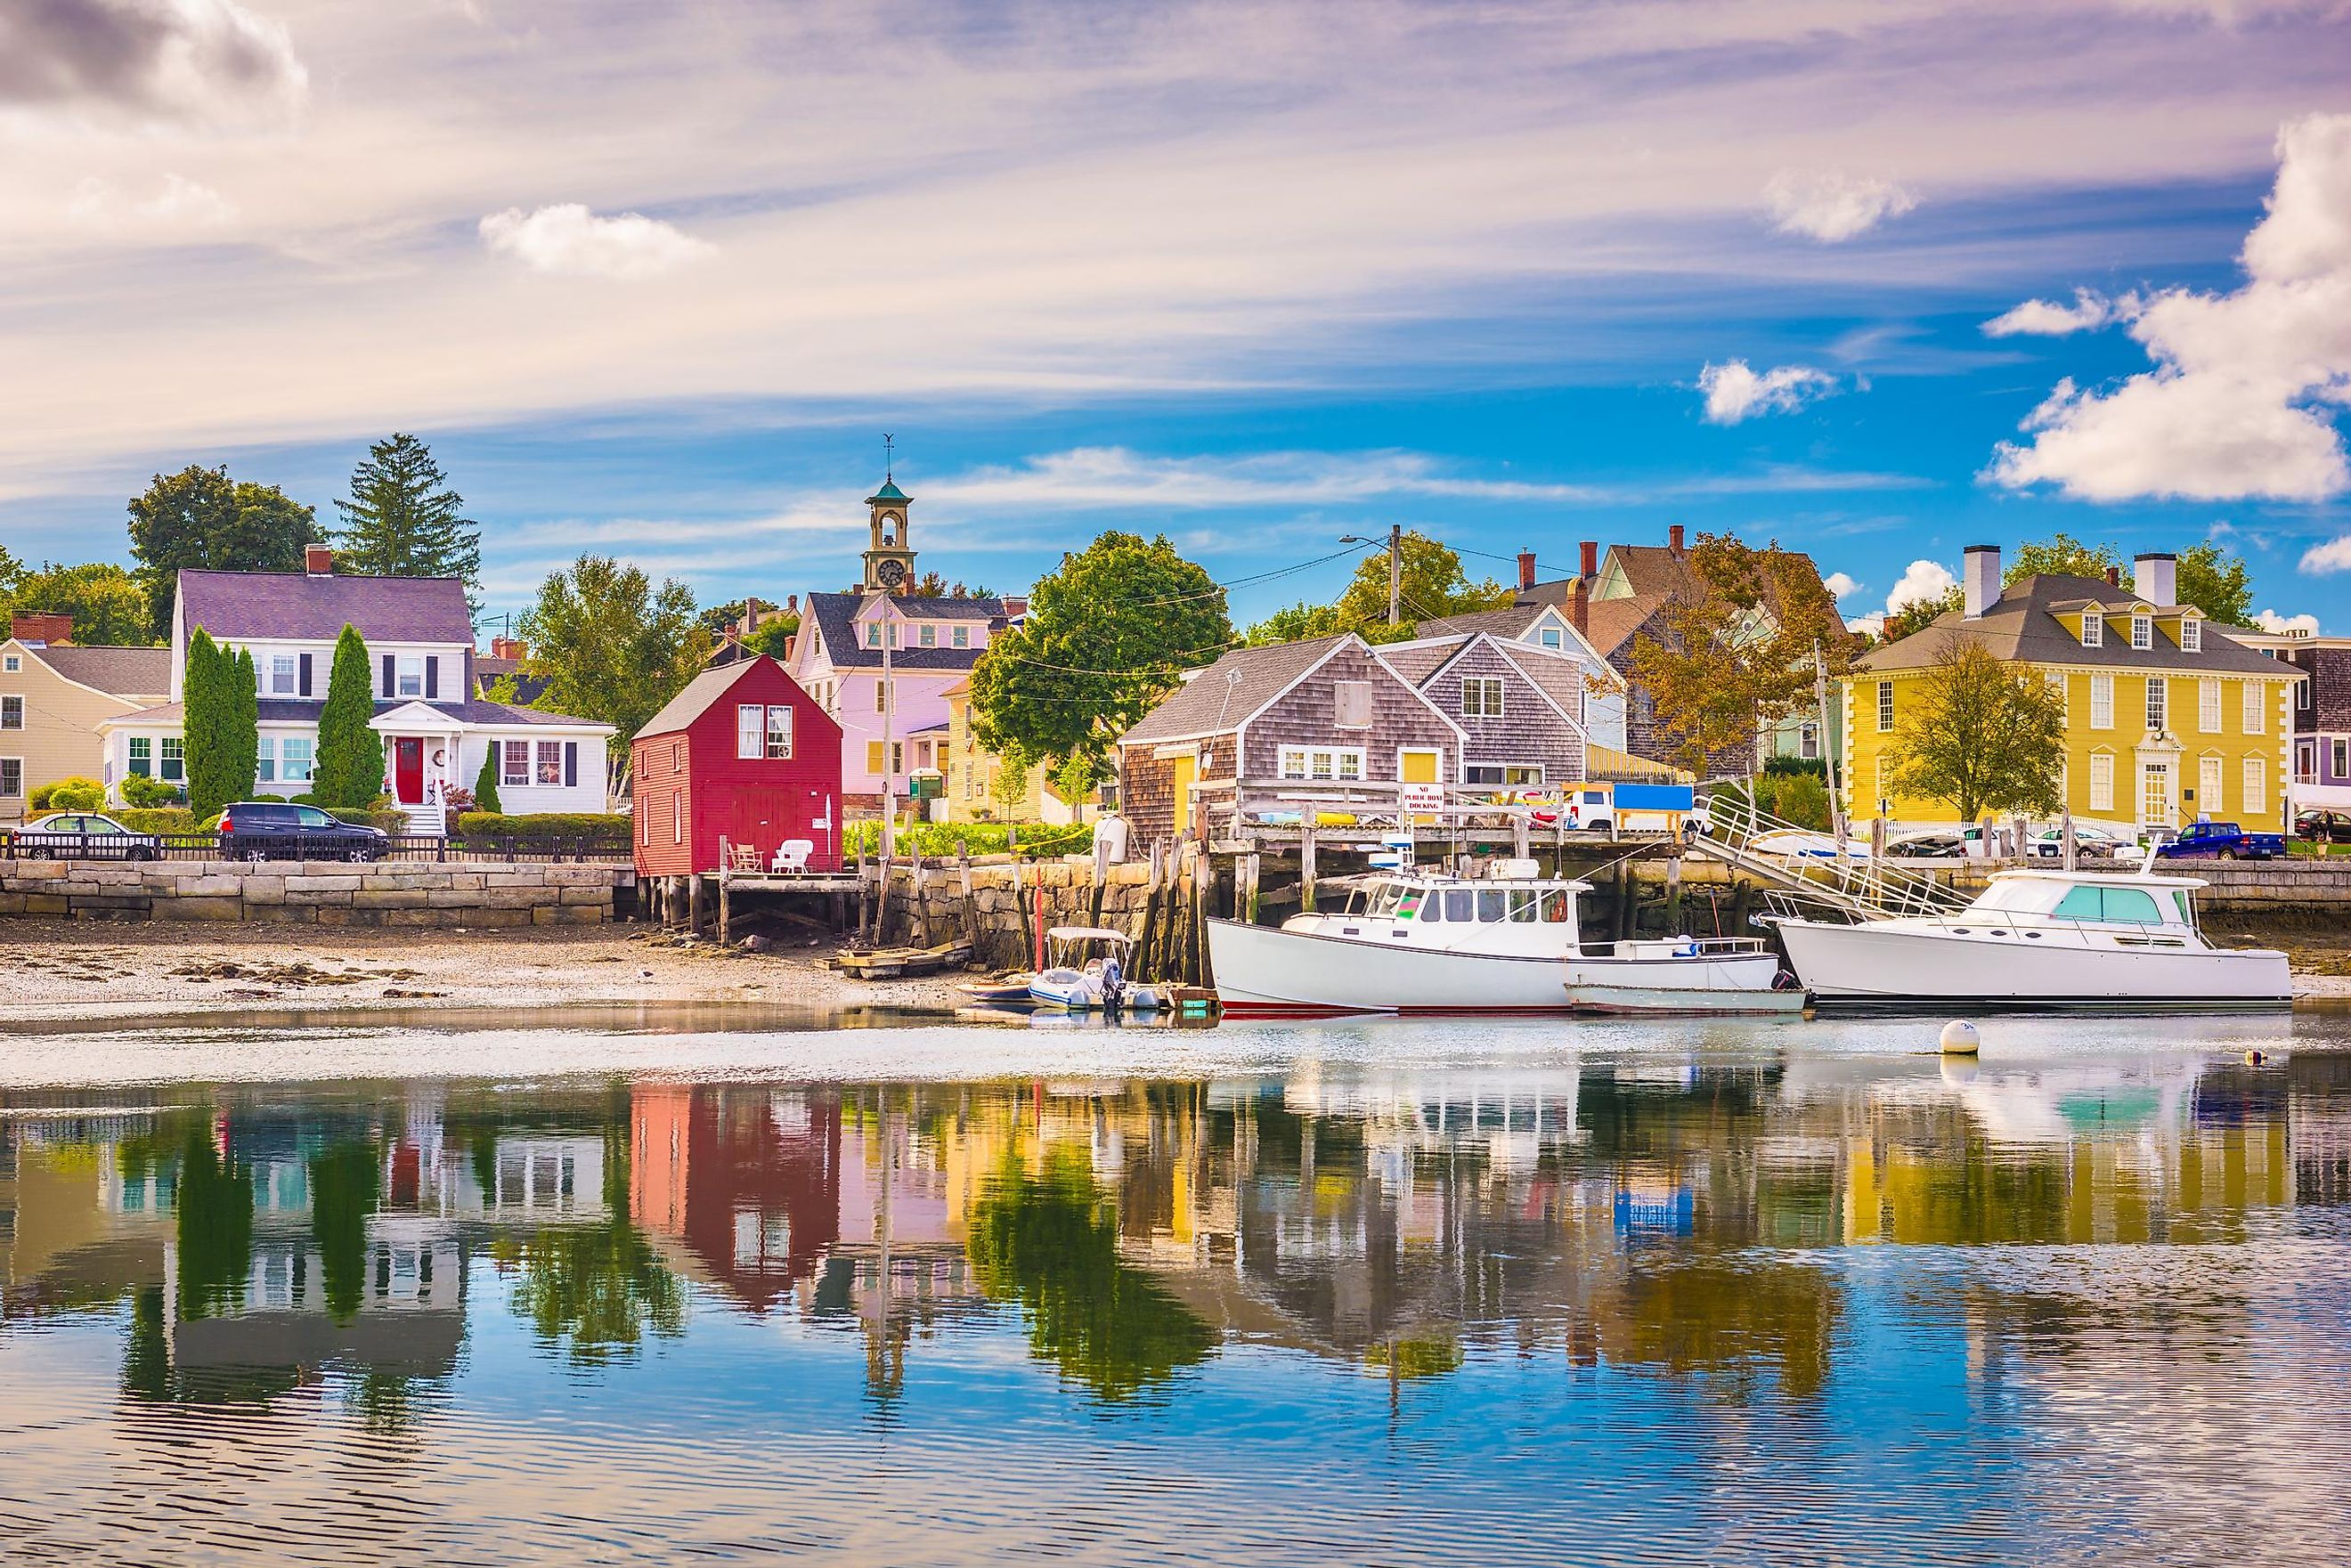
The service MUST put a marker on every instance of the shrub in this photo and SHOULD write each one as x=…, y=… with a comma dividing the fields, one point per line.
x=937, y=840
x=140, y=790
x=1788, y=766
x=485, y=784
x=158, y=819
x=491, y=829
x=75, y=794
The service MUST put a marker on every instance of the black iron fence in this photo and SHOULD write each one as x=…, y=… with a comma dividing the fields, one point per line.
x=410, y=848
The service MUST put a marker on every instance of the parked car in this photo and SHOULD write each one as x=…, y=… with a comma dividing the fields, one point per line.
x=83, y=835
x=2323, y=826
x=280, y=830
x=2221, y=841
x=2090, y=839
x=1927, y=846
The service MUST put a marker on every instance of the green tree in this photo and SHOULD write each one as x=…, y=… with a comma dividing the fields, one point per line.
x=200, y=520
x=1919, y=614
x=350, y=764
x=2210, y=577
x=208, y=724
x=485, y=783
x=1297, y=623
x=107, y=604
x=346, y=1180
x=1735, y=651
x=215, y=1226
x=1431, y=584
x=1108, y=633
x=1983, y=736
x=403, y=520
x=244, y=734
x=2061, y=555
x=611, y=646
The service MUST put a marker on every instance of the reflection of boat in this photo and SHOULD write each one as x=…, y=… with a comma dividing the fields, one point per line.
x=1076, y=977
x=2040, y=939
x=1511, y=943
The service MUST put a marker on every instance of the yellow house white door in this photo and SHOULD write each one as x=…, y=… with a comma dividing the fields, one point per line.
x=2155, y=809
x=1417, y=765
x=1185, y=769
x=2208, y=801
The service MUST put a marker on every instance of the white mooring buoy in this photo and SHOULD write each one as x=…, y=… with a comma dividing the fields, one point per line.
x=1960, y=1039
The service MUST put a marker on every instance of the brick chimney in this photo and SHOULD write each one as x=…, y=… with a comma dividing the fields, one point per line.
x=1526, y=570
x=1589, y=565
x=2114, y=577
x=509, y=648
x=1673, y=538
x=1579, y=608
x=318, y=560
x=42, y=628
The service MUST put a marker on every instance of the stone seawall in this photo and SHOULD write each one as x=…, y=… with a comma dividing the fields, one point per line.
x=307, y=893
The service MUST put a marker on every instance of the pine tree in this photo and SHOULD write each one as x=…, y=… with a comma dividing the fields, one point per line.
x=403, y=520
x=207, y=723
x=350, y=770
x=485, y=783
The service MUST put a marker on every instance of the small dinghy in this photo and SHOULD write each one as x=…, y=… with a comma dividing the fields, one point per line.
x=1087, y=970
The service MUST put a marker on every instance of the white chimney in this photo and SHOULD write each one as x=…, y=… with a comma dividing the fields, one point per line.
x=2156, y=578
x=1980, y=579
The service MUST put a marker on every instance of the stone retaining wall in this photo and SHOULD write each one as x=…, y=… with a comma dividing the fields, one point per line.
x=309, y=893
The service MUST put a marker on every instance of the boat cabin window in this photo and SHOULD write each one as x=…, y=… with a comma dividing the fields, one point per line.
x=1492, y=903
x=1554, y=907
x=1460, y=904
x=1432, y=907
x=1384, y=898
x=1522, y=904
x=2114, y=905
x=2187, y=915
x=1407, y=904
x=2016, y=895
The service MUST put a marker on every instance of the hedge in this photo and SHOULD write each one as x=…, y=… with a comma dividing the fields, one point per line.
x=158, y=819
x=939, y=841
x=489, y=828
x=366, y=816
x=76, y=794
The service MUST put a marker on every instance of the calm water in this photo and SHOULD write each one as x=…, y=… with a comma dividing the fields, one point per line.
x=1351, y=1293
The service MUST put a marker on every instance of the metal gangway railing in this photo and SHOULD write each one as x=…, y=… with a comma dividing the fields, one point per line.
x=1808, y=869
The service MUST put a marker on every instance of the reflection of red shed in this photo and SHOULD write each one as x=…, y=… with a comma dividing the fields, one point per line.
x=743, y=754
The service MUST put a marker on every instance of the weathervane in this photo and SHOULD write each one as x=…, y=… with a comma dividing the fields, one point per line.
x=889, y=454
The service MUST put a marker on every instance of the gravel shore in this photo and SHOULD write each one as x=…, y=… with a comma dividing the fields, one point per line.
x=57, y=969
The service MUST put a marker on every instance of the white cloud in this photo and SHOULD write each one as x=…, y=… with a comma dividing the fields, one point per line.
x=179, y=202
x=1734, y=391
x=201, y=62
x=1839, y=584
x=2271, y=620
x=1831, y=205
x=2238, y=402
x=1921, y=580
x=2333, y=556
x=568, y=238
x=2043, y=318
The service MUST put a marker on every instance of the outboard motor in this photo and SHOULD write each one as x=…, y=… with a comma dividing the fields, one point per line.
x=1114, y=988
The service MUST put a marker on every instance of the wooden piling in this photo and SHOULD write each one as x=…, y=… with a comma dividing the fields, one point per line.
x=1306, y=868
x=1673, y=895
x=921, y=913
x=970, y=904
x=881, y=903
x=1245, y=896
x=694, y=904
x=726, y=908
x=1520, y=830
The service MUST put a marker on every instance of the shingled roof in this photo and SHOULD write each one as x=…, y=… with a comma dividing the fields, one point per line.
x=299, y=606
x=1228, y=692
x=123, y=672
x=1509, y=621
x=2023, y=625
x=834, y=616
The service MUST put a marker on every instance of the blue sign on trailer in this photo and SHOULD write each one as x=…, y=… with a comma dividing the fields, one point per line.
x=1656, y=797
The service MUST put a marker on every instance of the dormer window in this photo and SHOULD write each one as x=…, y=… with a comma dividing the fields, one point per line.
x=873, y=634
x=963, y=636
x=2142, y=631
x=2192, y=635
x=2094, y=629
x=930, y=636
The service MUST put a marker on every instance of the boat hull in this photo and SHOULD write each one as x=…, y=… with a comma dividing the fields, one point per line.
x=1262, y=971
x=1888, y=964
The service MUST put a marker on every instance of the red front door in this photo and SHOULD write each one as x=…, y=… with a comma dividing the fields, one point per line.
x=408, y=770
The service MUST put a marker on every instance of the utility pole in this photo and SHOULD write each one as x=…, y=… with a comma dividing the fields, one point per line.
x=1395, y=574
x=1828, y=752
x=889, y=714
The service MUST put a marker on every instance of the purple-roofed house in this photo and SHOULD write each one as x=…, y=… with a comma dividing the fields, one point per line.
x=420, y=641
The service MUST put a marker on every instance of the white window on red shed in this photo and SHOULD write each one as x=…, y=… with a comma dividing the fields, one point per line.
x=677, y=756
x=779, y=729
x=751, y=729
x=514, y=762
x=645, y=824
x=677, y=817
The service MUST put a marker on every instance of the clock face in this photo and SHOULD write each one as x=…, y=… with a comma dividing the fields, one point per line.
x=891, y=574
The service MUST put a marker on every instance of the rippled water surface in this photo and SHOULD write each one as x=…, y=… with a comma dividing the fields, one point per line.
x=655, y=1290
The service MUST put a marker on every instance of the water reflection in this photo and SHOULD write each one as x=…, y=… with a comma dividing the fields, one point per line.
x=1715, y=1226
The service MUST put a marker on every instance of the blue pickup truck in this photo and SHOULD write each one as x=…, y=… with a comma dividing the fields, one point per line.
x=2221, y=841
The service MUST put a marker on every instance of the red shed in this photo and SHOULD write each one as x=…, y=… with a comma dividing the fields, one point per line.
x=742, y=754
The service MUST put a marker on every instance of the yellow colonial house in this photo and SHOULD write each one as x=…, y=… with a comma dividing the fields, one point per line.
x=970, y=773
x=2167, y=719
x=53, y=696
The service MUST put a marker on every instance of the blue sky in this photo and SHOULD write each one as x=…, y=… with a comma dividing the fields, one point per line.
x=1254, y=275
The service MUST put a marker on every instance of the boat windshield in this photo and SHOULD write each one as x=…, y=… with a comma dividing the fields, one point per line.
x=2020, y=897
x=2110, y=906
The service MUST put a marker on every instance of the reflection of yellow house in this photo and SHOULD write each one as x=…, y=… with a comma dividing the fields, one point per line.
x=2167, y=719
x=971, y=775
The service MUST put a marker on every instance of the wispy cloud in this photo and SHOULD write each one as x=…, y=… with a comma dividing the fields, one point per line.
x=2047, y=318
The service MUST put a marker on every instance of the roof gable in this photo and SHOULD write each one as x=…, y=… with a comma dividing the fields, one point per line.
x=117, y=672
x=713, y=687
x=298, y=606
x=1239, y=685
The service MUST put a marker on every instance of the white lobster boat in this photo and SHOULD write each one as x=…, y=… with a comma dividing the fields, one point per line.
x=1414, y=943
x=2039, y=939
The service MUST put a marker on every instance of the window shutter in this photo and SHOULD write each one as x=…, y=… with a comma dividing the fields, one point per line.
x=388, y=687
x=431, y=675
x=570, y=763
x=303, y=686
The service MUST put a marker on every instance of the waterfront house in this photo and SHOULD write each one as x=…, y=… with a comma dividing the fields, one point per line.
x=54, y=695
x=1614, y=600
x=420, y=641
x=743, y=753
x=1520, y=708
x=2322, y=714
x=971, y=777
x=1325, y=710
x=1547, y=626
x=2167, y=719
x=880, y=660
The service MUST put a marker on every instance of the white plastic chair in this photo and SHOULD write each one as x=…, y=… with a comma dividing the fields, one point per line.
x=793, y=854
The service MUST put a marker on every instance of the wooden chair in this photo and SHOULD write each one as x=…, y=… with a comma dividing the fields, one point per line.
x=742, y=857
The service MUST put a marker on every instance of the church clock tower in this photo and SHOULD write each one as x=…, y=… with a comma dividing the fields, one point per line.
x=889, y=559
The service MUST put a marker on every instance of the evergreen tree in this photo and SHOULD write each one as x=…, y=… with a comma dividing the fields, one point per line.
x=403, y=520
x=208, y=722
x=200, y=518
x=350, y=758
x=486, y=782
x=244, y=736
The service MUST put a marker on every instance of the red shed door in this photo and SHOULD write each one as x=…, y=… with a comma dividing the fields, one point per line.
x=763, y=818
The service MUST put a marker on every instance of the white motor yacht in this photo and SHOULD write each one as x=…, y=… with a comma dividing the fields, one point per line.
x=1415, y=942
x=2039, y=939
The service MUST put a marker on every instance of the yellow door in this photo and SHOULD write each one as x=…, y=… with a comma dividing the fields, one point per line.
x=1186, y=769
x=1419, y=766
